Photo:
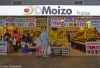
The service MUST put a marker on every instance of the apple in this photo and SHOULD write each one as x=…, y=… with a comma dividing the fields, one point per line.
x=26, y=10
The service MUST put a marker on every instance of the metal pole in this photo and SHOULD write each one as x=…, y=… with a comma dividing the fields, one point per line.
x=47, y=24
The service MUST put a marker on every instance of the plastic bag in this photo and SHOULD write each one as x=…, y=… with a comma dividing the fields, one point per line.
x=49, y=50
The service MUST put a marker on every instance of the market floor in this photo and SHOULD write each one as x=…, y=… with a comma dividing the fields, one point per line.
x=31, y=61
x=26, y=60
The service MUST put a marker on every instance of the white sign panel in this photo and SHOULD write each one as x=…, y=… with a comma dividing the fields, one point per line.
x=49, y=10
x=56, y=22
x=81, y=22
x=92, y=48
x=3, y=47
x=68, y=22
x=95, y=21
x=2, y=21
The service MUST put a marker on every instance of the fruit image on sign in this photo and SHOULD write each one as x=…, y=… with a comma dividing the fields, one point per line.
x=26, y=10
x=29, y=10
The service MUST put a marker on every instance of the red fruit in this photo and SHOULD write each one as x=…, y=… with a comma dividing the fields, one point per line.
x=26, y=10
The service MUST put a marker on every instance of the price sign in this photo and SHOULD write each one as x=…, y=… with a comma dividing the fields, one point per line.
x=68, y=22
x=20, y=22
x=31, y=21
x=41, y=22
x=95, y=21
x=10, y=22
x=56, y=24
x=2, y=21
x=92, y=48
x=81, y=22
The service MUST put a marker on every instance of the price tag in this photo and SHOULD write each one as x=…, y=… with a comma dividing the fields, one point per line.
x=81, y=22
x=1, y=23
x=68, y=22
x=10, y=22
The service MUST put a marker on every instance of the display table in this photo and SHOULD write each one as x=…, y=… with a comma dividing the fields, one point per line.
x=3, y=47
x=10, y=48
x=79, y=45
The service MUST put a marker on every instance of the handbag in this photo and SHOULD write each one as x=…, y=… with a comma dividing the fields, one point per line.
x=49, y=50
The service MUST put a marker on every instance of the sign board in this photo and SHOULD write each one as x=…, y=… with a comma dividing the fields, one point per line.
x=3, y=47
x=95, y=21
x=2, y=21
x=10, y=21
x=56, y=22
x=68, y=22
x=41, y=22
x=81, y=22
x=20, y=22
x=49, y=10
x=92, y=48
x=31, y=21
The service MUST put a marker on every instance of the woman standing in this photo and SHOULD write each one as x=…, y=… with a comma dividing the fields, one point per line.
x=16, y=37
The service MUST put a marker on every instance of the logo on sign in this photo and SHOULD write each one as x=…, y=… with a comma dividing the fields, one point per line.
x=46, y=10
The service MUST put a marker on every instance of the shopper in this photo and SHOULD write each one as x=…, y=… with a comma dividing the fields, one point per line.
x=7, y=35
x=23, y=46
x=44, y=39
x=14, y=44
x=23, y=37
x=28, y=39
x=16, y=37
x=38, y=47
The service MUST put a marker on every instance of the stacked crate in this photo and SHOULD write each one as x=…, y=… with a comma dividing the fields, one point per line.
x=65, y=51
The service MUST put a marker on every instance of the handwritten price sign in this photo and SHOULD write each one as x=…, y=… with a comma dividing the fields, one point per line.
x=2, y=21
x=20, y=22
x=92, y=48
x=10, y=22
x=81, y=22
x=95, y=21
x=68, y=22
x=56, y=24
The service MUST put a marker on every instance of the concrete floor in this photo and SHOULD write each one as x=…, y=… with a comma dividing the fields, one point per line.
x=76, y=59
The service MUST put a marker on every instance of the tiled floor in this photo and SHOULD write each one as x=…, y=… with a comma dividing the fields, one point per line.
x=31, y=61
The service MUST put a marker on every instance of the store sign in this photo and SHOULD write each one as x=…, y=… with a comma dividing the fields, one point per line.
x=49, y=10
x=81, y=22
x=10, y=21
x=95, y=21
x=20, y=22
x=31, y=21
x=56, y=22
x=2, y=21
x=93, y=48
x=68, y=22
x=3, y=47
